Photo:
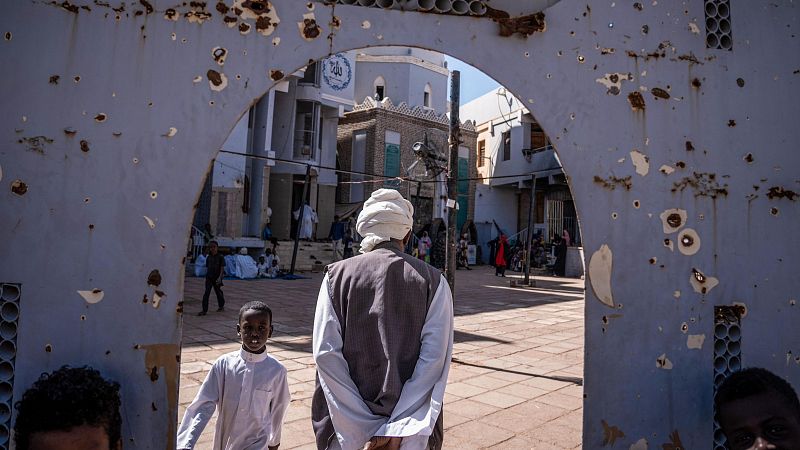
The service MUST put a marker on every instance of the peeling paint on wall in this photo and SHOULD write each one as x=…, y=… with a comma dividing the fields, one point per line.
x=641, y=444
x=600, y=267
x=641, y=162
x=662, y=362
x=695, y=341
x=166, y=356
x=701, y=283
x=150, y=222
x=613, y=81
x=92, y=296
x=673, y=220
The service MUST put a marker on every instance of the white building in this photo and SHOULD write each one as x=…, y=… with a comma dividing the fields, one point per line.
x=511, y=147
x=295, y=123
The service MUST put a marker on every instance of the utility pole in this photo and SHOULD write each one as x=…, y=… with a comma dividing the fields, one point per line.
x=452, y=179
x=528, y=281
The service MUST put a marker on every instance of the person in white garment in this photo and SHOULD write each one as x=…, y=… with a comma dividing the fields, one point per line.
x=382, y=340
x=307, y=221
x=248, y=385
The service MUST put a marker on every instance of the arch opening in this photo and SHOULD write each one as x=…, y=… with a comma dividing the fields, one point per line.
x=344, y=171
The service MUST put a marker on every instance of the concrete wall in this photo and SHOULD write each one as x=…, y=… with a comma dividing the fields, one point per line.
x=718, y=125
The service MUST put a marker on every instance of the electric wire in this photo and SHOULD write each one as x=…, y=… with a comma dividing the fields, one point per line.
x=384, y=177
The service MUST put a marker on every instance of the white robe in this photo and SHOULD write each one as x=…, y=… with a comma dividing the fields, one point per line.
x=307, y=221
x=253, y=395
x=420, y=402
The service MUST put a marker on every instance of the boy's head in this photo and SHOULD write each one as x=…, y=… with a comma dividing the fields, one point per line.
x=71, y=408
x=262, y=260
x=757, y=409
x=274, y=263
x=213, y=247
x=255, y=326
x=268, y=252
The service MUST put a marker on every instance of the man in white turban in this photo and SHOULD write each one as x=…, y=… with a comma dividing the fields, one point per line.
x=383, y=338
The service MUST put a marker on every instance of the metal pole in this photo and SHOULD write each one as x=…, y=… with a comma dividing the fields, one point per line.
x=300, y=218
x=452, y=179
x=528, y=281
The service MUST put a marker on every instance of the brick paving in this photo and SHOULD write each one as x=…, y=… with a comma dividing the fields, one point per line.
x=515, y=380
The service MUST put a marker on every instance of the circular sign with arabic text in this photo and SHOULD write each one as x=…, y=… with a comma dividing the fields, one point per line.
x=337, y=72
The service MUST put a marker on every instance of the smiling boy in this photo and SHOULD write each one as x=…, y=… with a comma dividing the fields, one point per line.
x=250, y=388
x=758, y=410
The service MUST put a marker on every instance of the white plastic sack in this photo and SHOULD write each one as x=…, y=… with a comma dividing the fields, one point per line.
x=200, y=268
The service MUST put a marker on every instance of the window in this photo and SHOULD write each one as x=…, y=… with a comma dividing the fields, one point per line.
x=538, y=138
x=506, y=145
x=305, y=130
x=481, y=152
x=380, y=89
x=426, y=96
x=311, y=75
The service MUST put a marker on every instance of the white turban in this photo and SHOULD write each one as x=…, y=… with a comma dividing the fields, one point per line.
x=386, y=215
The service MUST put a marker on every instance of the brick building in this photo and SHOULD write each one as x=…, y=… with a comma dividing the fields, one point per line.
x=378, y=136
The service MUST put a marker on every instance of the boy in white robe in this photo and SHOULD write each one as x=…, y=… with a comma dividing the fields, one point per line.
x=250, y=388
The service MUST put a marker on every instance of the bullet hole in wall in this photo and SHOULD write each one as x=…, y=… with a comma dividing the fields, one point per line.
x=48, y=348
x=19, y=187
x=674, y=220
x=740, y=82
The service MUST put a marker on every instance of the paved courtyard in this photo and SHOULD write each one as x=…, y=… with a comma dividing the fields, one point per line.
x=516, y=377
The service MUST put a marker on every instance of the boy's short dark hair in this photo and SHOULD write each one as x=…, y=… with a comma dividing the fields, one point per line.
x=68, y=398
x=213, y=243
x=755, y=381
x=255, y=305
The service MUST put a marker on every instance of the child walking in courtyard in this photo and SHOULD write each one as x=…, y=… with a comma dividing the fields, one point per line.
x=216, y=270
x=248, y=385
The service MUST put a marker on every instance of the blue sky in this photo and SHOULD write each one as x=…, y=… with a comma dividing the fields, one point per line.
x=474, y=83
